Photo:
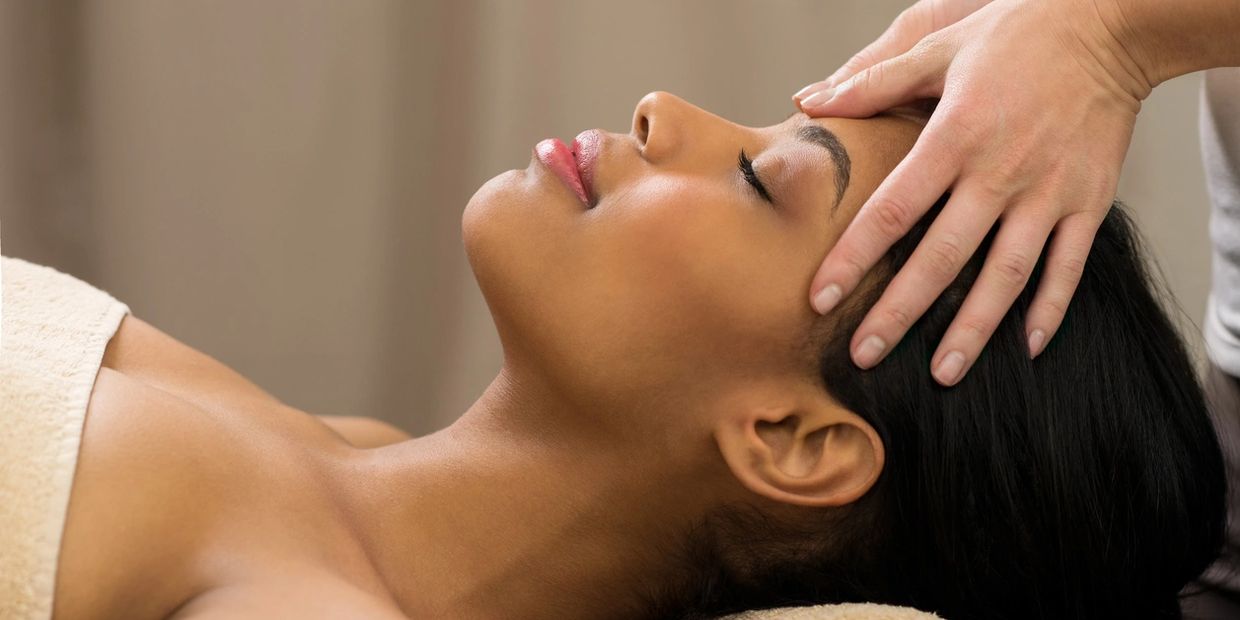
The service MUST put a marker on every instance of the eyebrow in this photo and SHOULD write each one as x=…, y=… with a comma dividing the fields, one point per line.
x=814, y=133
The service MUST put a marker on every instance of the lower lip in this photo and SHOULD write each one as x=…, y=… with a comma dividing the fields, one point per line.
x=554, y=154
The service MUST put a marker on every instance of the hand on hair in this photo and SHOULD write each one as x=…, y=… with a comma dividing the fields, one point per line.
x=1036, y=112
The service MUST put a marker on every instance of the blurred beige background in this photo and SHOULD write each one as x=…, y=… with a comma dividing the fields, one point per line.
x=280, y=184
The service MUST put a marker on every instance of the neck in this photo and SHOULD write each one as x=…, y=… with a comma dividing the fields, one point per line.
x=515, y=512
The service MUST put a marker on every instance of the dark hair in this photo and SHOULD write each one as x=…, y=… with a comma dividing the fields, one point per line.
x=1086, y=483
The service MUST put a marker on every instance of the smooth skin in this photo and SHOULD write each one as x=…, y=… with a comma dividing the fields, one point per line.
x=657, y=357
x=195, y=496
x=1037, y=102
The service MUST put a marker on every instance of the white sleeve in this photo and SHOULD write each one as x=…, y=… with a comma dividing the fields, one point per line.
x=1220, y=149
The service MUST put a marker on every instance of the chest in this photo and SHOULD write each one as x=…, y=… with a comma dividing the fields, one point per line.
x=161, y=488
x=187, y=479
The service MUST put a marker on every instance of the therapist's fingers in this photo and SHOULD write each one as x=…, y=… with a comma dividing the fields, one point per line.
x=1065, y=262
x=901, y=199
x=915, y=74
x=1006, y=270
x=1035, y=101
x=909, y=27
x=952, y=238
x=904, y=32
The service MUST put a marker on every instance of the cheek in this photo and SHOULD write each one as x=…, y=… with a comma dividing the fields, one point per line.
x=666, y=282
x=688, y=275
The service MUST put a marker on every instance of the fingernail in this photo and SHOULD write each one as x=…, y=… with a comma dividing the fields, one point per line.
x=819, y=98
x=804, y=91
x=826, y=299
x=948, y=370
x=1035, y=342
x=869, y=351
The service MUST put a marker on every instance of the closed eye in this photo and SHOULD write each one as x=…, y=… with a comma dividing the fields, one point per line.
x=746, y=166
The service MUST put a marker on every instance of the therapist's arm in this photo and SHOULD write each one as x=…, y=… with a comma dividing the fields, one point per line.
x=1037, y=105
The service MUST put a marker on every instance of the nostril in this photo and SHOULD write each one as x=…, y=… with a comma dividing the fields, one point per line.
x=643, y=127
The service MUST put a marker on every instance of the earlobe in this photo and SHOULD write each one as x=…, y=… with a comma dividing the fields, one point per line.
x=815, y=454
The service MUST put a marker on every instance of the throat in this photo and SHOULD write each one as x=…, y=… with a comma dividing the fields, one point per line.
x=482, y=519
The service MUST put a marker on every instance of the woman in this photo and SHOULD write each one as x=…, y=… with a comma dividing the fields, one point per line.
x=673, y=433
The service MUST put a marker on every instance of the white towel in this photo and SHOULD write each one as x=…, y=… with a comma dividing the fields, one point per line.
x=850, y=611
x=53, y=331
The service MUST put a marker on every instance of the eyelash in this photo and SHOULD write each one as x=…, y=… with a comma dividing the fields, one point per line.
x=746, y=166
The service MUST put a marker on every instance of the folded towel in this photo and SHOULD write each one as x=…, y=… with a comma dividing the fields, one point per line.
x=850, y=611
x=53, y=331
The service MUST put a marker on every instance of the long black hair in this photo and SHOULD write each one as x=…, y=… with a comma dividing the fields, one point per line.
x=1086, y=483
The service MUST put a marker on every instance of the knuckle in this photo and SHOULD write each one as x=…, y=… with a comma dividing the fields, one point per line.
x=906, y=20
x=853, y=266
x=928, y=46
x=892, y=215
x=872, y=77
x=1013, y=269
x=963, y=123
x=976, y=327
x=1072, y=267
x=993, y=188
x=936, y=42
x=948, y=140
x=945, y=257
x=895, y=315
x=1057, y=307
x=934, y=14
x=929, y=53
x=860, y=61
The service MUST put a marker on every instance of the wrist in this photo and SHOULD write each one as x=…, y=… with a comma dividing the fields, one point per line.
x=1169, y=38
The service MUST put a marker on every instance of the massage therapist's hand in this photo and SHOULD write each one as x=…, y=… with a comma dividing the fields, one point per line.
x=1037, y=104
x=1036, y=111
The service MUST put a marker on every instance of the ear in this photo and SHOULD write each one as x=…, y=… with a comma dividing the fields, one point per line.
x=798, y=446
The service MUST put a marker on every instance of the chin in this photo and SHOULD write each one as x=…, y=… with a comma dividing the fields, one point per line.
x=483, y=212
x=485, y=235
x=519, y=248
x=520, y=223
x=505, y=230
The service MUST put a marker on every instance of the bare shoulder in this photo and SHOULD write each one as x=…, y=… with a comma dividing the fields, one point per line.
x=162, y=485
x=364, y=432
x=300, y=596
x=142, y=351
x=133, y=509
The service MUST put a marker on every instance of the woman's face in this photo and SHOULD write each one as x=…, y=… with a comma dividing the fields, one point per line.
x=679, y=279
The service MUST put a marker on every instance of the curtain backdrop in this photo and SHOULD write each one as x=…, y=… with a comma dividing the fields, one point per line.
x=280, y=184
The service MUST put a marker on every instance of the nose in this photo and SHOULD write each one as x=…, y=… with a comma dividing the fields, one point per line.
x=655, y=124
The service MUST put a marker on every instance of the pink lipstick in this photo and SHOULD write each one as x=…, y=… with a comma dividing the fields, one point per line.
x=586, y=147
x=554, y=154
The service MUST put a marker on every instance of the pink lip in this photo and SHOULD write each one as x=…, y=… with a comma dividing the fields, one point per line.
x=553, y=153
x=585, y=148
x=575, y=166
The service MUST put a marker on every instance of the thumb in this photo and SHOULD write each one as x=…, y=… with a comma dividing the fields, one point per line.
x=916, y=74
